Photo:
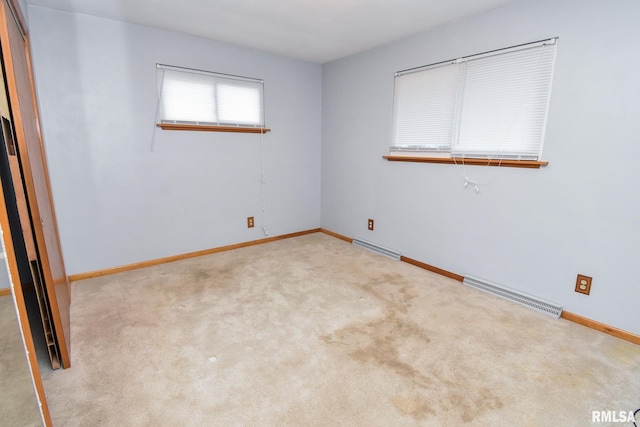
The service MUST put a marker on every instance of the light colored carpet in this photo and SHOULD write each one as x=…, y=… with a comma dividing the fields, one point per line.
x=18, y=404
x=313, y=331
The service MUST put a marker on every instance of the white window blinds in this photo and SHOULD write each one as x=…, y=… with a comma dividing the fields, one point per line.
x=425, y=104
x=205, y=98
x=483, y=106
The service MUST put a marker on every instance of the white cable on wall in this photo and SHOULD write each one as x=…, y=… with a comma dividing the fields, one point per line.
x=262, y=178
x=155, y=121
x=493, y=157
x=159, y=106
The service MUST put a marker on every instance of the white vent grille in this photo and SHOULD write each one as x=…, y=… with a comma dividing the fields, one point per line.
x=535, y=303
x=377, y=248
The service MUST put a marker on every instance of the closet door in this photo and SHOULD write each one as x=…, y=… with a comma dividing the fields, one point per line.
x=35, y=175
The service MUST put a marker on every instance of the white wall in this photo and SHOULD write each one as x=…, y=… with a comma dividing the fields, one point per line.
x=119, y=203
x=533, y=230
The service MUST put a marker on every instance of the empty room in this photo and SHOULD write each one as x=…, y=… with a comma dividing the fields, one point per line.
x=286, y=213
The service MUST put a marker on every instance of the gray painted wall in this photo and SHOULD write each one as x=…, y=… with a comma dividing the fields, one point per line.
x=24, y=9
x=533, y=230
x=5, y=281
x=119, y=203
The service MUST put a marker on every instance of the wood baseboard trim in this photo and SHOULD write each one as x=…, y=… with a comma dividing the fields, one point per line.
x=601, y=327
x=5, y=291
x=408, y=260
x=433, y=269
x=584, y=321
x=158, y=261
x=336, y=235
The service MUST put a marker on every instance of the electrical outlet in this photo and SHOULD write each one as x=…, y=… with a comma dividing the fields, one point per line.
x=370, y=225
x=583, y=284
x=250, y=223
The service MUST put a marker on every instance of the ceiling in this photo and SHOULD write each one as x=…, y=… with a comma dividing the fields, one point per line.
x=313, y=30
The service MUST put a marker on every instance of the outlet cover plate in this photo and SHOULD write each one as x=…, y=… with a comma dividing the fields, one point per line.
x=583, y=284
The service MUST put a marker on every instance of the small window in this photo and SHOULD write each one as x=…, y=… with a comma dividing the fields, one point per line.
x=193, y=97
x=492, y=105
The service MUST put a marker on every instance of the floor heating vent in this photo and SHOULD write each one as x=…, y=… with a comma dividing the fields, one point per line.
x=377, y=249
x=537, y=304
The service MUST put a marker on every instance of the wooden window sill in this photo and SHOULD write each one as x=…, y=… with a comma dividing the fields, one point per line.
x=206, y=128
x=529, y=164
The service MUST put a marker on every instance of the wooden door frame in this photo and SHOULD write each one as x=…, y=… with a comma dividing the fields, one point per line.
x=23, y=317
x=57, y=286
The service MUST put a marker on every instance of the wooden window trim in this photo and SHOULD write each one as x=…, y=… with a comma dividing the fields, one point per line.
x=528, y=164
x=209, y=128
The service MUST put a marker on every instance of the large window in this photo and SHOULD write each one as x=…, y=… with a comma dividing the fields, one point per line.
x=492, y=105
x=205, y=99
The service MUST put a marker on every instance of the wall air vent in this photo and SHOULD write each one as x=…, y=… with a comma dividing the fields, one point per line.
x=537, y=304
x=377, y=249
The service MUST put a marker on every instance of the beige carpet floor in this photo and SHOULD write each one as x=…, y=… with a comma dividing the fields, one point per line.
x=18, y=403
x=313, y=331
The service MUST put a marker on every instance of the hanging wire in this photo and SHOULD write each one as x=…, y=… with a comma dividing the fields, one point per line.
x=477, y=182
x=262, y=168
x=263, y=182
x=155, y=122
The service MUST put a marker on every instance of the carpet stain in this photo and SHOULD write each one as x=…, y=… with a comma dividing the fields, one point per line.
x=379, y=342
x=198, y=274
x=417, y=406
x=392, y=290
x=214, y=274
x=624, y=352
x=469, y=408
x=391, y=342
